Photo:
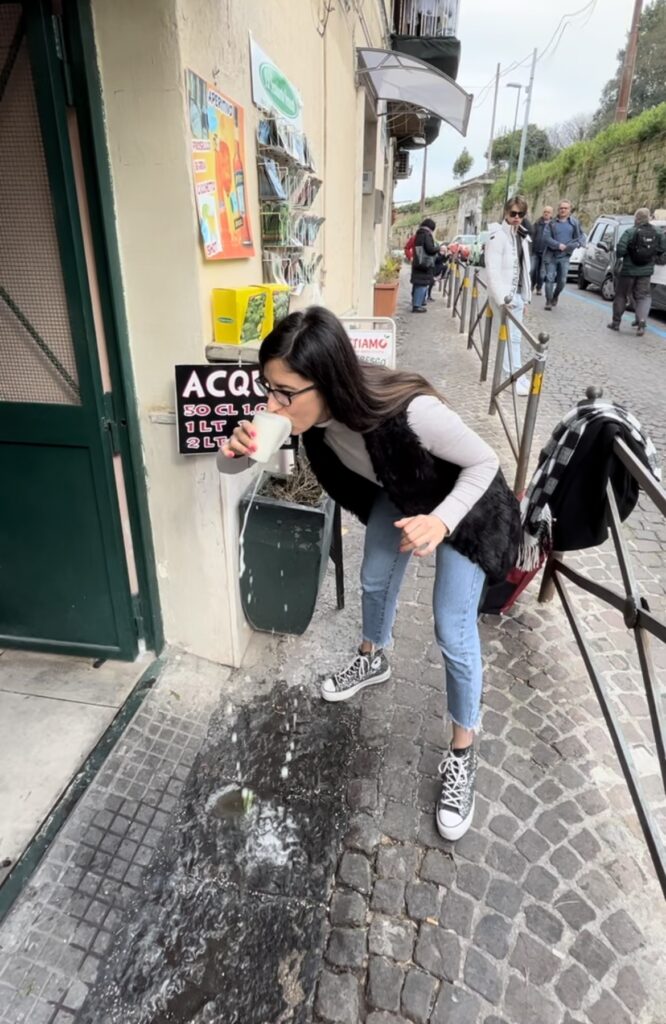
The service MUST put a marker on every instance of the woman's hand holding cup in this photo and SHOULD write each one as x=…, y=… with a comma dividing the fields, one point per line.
x=242, y=441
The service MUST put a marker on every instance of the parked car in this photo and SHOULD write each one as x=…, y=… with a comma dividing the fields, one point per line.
x=574, y=263
x=598, y=264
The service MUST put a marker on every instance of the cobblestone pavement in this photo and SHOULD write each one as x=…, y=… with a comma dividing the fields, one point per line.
x=547, y=912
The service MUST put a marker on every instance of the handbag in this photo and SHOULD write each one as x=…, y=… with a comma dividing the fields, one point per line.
x=422, y=257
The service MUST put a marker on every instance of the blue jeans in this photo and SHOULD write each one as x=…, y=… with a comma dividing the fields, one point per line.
x=557, y=268
x=419, y=295
x=456, y=597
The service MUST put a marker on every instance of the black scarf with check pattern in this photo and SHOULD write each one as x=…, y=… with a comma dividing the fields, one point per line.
x=537, y=519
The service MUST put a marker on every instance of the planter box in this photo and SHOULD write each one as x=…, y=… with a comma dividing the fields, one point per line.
x=386, y=299
x=286, y=552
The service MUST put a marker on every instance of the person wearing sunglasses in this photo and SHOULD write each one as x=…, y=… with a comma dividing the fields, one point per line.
x=508, y=279
x=384, y=444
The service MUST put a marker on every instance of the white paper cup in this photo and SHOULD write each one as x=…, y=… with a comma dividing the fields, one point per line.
x=272, y=432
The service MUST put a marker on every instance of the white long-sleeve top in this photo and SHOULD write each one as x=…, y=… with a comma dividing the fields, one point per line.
x=442, y=433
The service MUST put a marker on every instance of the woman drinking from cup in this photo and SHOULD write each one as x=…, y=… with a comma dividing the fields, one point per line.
x=385, y=446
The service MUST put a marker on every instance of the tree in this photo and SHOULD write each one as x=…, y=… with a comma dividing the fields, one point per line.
x=462, y=164
x=564, y=134
x=649, y=84
x=537, y=147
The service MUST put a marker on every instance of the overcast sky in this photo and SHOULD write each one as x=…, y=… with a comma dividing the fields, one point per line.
x=568, y=80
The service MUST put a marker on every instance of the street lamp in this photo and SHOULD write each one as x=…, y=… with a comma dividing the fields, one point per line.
x=518, y=86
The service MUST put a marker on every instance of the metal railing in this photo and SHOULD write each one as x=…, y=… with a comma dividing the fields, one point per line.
x=464, y=288
x=639, y=619
x=521, y=443
x=481, y=322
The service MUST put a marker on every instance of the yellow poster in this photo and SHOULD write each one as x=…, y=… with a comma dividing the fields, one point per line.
x=218, y=163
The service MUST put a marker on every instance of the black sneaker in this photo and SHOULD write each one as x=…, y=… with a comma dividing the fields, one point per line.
x=548, y=306
x=363, y=670
x=613, y=326
x=641, y=329
x=455, y=808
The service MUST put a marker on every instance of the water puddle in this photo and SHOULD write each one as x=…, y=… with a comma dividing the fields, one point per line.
x=229, y=925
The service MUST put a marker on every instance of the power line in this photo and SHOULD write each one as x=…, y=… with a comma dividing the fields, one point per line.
x=556, y=38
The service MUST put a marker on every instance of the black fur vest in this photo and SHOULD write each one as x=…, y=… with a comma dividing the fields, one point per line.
x=416, y=482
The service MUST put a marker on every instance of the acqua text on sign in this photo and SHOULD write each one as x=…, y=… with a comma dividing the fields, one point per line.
x=211, y=400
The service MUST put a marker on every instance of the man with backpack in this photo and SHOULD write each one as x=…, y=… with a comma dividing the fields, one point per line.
x=637, y=252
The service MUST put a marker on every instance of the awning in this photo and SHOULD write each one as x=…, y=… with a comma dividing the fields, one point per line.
x=395, y=77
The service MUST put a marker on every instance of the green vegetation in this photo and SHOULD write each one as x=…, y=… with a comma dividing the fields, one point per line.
x=583, y=157
x=537, y=147
x=463, y=164
x=649, y=84
x=389, y=271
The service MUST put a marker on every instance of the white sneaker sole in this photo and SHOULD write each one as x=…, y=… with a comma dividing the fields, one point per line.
x=456, y=831
x=333, y=695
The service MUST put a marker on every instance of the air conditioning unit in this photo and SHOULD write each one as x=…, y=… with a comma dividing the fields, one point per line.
x=368, y=186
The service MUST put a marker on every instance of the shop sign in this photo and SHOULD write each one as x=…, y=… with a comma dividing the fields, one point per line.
x=373, y=345
x=211, y=400
x=272, y=90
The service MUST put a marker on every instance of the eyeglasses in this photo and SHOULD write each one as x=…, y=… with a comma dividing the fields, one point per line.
x=516, y=213
x=283, y=398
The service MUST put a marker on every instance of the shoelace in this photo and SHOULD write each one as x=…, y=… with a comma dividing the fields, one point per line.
x=359, y=667
x=454, y=777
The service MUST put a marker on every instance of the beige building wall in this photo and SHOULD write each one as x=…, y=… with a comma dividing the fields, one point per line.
x=143, y=50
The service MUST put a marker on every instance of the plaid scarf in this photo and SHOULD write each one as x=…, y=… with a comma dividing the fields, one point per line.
x=535, y=510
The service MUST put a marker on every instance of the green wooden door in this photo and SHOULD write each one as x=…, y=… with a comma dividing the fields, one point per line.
x=63, y=573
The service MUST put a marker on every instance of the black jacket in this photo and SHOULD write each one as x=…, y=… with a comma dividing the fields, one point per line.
x=579, y=504
x=420, y=273
x=538, y=244
x=416, y=482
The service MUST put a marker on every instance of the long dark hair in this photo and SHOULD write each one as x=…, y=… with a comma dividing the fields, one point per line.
x=314, y=344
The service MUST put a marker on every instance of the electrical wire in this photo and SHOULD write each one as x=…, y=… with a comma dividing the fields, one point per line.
x=556, y=39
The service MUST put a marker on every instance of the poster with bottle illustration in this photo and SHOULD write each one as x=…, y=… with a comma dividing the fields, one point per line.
x=218, y=163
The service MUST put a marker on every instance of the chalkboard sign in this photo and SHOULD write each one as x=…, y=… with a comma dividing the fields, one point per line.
x=211, y=400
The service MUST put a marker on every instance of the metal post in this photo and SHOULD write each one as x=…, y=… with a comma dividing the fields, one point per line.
x=465, y=297
x=487, y=339
x=473, y=311
x=502, y=339
x=513, y=85
x=492, y=123
x=523, y=138
x=530, y=418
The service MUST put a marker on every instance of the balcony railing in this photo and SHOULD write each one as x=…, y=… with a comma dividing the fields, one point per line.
x=433, y=18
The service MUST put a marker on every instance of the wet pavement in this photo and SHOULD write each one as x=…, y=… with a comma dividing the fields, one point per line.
x=207, y=876
x=230, y=920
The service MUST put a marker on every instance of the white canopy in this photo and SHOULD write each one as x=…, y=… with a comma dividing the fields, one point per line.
x=401, y=79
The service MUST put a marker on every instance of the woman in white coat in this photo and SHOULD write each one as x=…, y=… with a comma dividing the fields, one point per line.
x=508, y=278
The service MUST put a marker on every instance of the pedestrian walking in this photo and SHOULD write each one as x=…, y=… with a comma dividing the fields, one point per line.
x=508, y=280
x=384, y=444
x=638, y=250
x=423, y=264
x=537, y=266
x=561, y=236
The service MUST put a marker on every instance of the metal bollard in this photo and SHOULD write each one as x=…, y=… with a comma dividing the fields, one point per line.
x=487, y=339
x=465, y=296
x=473, y=313
x=530, y=416
x=502, y=339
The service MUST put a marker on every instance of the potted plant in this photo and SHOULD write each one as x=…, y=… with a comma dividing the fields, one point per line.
x=286, y=547
x=386, y=287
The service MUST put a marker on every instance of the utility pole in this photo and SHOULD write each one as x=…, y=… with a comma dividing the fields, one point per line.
x=423, y=179
x=523, y=138
x=492, y=123
x=518, y=86
x=629, y=65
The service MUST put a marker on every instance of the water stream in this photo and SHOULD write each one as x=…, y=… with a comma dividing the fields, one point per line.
x=229, y=924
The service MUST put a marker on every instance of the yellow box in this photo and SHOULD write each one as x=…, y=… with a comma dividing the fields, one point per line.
x=240, y=315
x=279, y=296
